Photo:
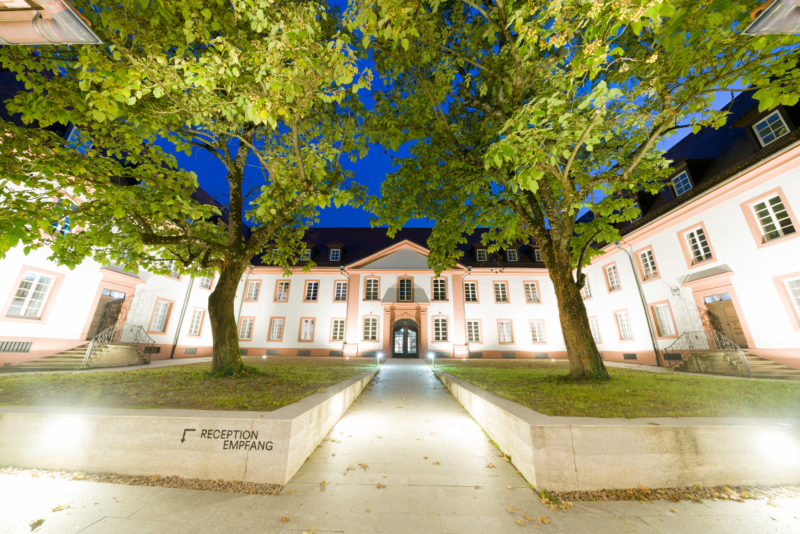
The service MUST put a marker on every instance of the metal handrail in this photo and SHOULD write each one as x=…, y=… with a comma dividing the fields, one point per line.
x=706, y=340
x=100, y=340
x=132, y=334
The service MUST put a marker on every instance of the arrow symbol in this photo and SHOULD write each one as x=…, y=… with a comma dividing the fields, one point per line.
x=185, y=430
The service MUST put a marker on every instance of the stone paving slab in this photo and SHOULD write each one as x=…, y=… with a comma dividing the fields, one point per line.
x=454, y=490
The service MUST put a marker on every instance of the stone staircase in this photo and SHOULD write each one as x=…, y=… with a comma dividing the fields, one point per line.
x=729, y=364
x=112, y=355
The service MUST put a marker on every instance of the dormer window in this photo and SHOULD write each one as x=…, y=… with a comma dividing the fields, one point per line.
x=306, y=256
x=336, y=254
x=770, y=128
x=480, y=254
x=537, y=255
x=681, y=183
x=511, y=255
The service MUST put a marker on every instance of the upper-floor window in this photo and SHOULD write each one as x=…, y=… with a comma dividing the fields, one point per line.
x=586, y=290
x=681, y=183
x=61, y=227
x=480, y=254
x=773, y=219
x=253, y=290
x=405, y=290
x=500, y=292
x=306, y=255
x=246, y=328
x=473, y=331
x=337, y=330
x=440, y=329
x=537, y=330
x=537, y=255
x=371, y=286
x=770, y=128
x=340, y=291
x=312, y=289
x=196, y=322
x=205, y=282
x=624, y=323
x=698, y=246
x=171, y=266
x=335, y=254
x=648, y=262
x=531, y=292
x=439, y=289
x=470, y=292
x=612, y=277
x=370, y=328
x=511, y=255
x=30, y=296
x=282, y=291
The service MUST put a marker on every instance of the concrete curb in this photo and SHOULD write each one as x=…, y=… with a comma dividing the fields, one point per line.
x=266, y=447
x=589, y=453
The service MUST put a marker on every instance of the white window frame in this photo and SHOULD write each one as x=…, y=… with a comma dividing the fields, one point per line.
x=502, y=295
x=532, y=293
x=771, y=131
x=409, y=294
x=335, y=254
x=253, y=294
x=586, y=290
x=771, y=216
x=595, y=328
x=439, y=293
x=304, y=321
x=698, y=242
x=337, y=330
x=339, y=294
x=276, y=328
x=370, y=324
x=614, y=282
x=440, y=333
x=282, y=290
x=473, y=295
x=246, y=326
x=537, y=255
x=306, y=255
x=311, y=290
x=160, y=319
x=648, y=262
x=537, y=330
x=512, y=255
x=663, y=317
x=625, y=327
x=368, y=292
x=794, y=293
x=501, y=331
x=196, y=322
x=24, y=296
x=205, y=282
x=481, y=254
x=681, y=183
x=473, y=331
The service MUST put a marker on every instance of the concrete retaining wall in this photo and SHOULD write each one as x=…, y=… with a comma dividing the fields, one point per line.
x=584, y=453
x=252, y=446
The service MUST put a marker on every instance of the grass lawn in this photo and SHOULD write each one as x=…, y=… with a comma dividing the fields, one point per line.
x=542, y=386
x=274, y=383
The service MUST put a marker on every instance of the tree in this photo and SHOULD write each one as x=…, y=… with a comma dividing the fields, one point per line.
x=520, y=114
x=267, y=84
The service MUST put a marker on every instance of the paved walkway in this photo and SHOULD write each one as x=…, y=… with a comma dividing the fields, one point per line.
x=405, y=459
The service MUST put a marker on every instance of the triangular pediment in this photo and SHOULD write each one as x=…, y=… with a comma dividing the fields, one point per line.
x=403, y=255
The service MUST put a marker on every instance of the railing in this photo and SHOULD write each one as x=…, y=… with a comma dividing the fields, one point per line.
x=132, y=334
x=696, y=342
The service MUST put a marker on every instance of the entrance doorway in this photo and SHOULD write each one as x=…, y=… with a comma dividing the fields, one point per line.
x=404, y=339
x=722, y=314
x=107, y=312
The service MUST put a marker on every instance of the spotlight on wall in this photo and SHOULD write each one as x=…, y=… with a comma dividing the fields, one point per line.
x=675, y=290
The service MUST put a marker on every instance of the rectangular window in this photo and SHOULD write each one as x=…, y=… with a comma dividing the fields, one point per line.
x=473, y=331
x=773, y=219
x=648, y=263
x=306, y=255
x=30, y=296
x=681, y=183
x=312, y=288
x=196, y=322
x=158, y=323
x=371, y=289
x=440, y=329
x=500, y=292
x=439, y=289
x=504, y=333
x=664, y=324
x=171, y=266
x=205, y=282
x=586, y=290
x=337, y=330
x=624, y=323
x=511, y=255
x=61, y=227
x=246, y=328
x=276, y=329
x=470, y=291
x=282, y=291
x=794, y=292
x=770, y=128
x=537, y=255
x=405, y=290
x=480, y=254
x=340, y=292
x=307, y=329
x=335, y=255
x=612, y=277
x=531, y=292
x=370, y=329
x=698, y=246
x=537, y=330
x=593, y=326
x=253, y=290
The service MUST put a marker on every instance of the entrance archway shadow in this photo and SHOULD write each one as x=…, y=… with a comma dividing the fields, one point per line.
x=405, y=339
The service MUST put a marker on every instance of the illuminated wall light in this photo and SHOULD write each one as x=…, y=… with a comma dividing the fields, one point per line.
x=64, y=432
x=779, y=447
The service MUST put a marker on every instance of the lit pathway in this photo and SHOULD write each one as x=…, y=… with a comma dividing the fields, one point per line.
x=411, y=437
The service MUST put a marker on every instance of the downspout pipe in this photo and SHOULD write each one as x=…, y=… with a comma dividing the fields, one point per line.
x=644, y=302
x=181, y=317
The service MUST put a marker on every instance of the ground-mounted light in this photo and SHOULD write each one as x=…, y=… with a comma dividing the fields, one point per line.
x=775, y=17
x=264, y=357
x=378, y=357
x=36, y=22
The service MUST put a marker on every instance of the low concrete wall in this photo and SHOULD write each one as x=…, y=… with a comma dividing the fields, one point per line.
x=585, y=453
x=252, y=446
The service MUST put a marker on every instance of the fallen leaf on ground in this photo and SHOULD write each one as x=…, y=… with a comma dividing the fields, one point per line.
x=509, y=510
x=290, y=490
x=477, y=486
x=673, y=510
x=36, y=524
x=425, y=457
x=654, y=424
x=363, y=465
x=437, y=463
x=154, y=477
x=285, y=518
x=510, y=487
x=322, y=483
x=60, y=507
x=543, y=519
x=490, y=465
x=379, y=437
x=380, y=485
x=521, y=522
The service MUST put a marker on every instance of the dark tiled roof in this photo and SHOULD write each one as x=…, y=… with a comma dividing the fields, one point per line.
x=360, y=243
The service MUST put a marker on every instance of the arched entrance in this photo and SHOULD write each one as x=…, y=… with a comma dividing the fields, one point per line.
x=405, y=335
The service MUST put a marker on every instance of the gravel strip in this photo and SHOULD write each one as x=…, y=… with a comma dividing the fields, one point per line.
x=694, y=493
x=227, y=486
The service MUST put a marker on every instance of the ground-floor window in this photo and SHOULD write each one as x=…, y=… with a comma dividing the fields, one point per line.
x=473, y=331
x=370, y=329
x=504, y=333
x=595, y=329
x=440, y=329
x=537, y=330
x=276, y=329
x=306, y=329
x=246, y=328
x=337, y=330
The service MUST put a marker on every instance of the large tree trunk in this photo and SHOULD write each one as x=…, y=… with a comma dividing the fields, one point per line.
x=224, y=330
x=584, y=358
